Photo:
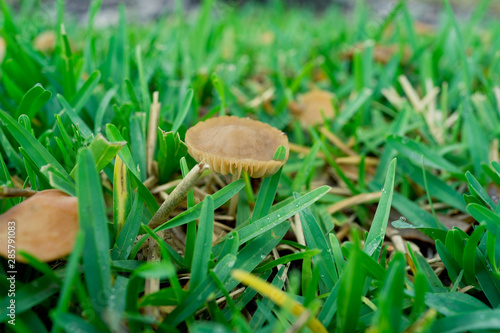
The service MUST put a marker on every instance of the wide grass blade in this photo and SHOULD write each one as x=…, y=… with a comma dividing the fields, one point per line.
x=203, y=245
x=93, y=222
x=128, y=232
x=471, y=321
x=268, y=189
x=316, y=240
x=377, y=230
x=389, y=311
x=280, y=215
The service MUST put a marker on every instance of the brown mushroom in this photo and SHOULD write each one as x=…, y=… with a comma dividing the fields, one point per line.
x=424, y=29
x=312, y=106
x=45, y=41
x=230, y=144
x=2, y=49
x=45, y=225
x=382, y=54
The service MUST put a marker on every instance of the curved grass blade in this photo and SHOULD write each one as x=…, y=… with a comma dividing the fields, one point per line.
x=102, y=151
x=256, y=250
x=29, y=295
x=71, y=323
x=471, y=321
x=199, y=295
x=38, y=154
x=288, y=258
x=270, y=221
x=114, y=135
x=479, y=190
x=220, y=197
x=483, y=214
x=33, y=101
x=414, y=152
x=83, y=95
x=278, y=297
x=75, y=118
x=193, y=213
x=450, y=304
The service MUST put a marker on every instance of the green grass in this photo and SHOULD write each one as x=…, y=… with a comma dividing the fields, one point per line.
x=76, y=117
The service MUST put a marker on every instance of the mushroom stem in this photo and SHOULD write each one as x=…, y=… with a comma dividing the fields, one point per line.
x=12, y=192
x=177, y=195
x=234, y=199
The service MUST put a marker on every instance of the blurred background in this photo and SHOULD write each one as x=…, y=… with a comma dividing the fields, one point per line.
x=427, y=11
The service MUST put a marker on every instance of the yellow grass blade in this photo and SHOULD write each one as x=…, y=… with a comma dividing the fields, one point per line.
x=277, y=296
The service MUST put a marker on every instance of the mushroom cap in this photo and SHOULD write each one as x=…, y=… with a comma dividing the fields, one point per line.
x=311, y=105
x=382, y=54
x=46, y=225
x=2, y=49
x=45, y=41
x=230, y=144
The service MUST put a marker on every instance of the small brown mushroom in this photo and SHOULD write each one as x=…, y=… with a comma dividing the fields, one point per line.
x=2, y=49
x=230, y=144
x=45, y=41
x=382, y=54
x=44, y=225
x=424, y=29
x=311, y=107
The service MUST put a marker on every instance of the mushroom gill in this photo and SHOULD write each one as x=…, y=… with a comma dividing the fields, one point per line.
x=230, y=144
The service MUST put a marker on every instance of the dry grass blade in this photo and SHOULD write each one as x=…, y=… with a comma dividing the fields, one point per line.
x=353, y=201
x=154, y=117
x=277, y=296
x=12, y=192
x=337, y=142
x=177, y=195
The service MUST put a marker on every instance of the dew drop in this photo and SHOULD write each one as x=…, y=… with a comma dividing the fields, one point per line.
x=263, y=256
x=230, y=236
x=279, y=215
x=402, y=218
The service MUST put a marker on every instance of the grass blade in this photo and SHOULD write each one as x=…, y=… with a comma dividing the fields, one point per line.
x=203, y=245
x=377, y=230
x=270, y=221
x=94, y=224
